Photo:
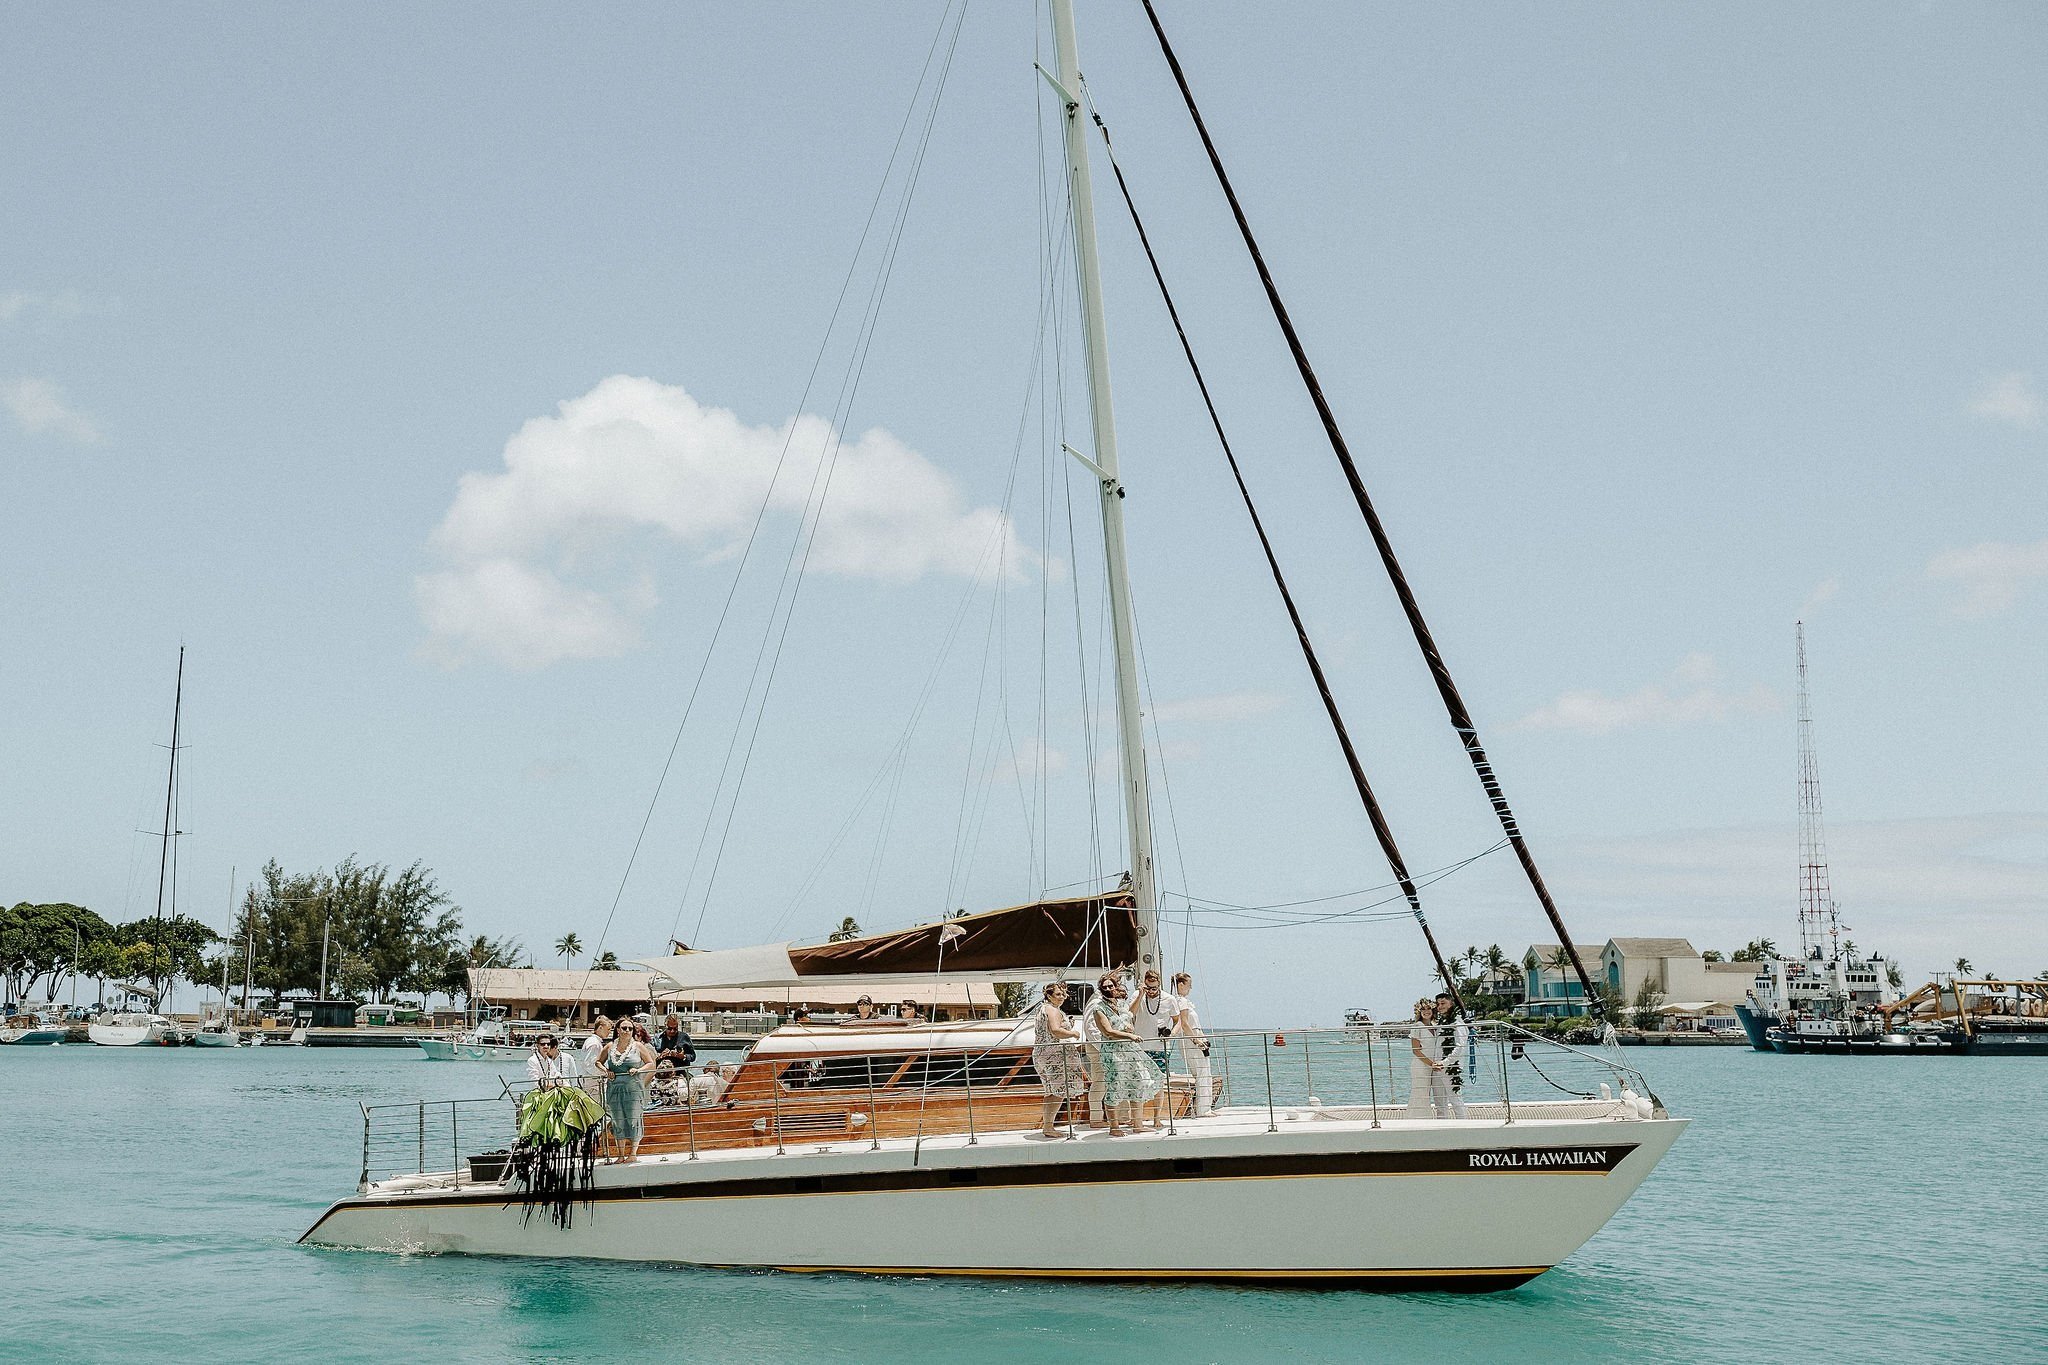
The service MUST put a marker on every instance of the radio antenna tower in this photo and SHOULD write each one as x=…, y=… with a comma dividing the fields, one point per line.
x=1818, y=926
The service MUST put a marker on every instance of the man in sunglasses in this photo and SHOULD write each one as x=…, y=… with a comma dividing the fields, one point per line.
x=549, y=1066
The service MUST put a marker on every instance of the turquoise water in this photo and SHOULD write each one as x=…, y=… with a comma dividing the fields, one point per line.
x=1860, y=1207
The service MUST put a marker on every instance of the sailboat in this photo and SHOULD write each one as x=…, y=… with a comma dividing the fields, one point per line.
x=1297, y=1157
x=130, y=1026
x=135, y=1021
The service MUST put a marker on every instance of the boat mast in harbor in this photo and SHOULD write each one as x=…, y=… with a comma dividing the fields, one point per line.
x=1819, y=927
x=1109, y=486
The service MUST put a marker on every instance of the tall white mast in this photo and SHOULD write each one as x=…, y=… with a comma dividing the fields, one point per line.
x=1129, y=718
x=1818, y=925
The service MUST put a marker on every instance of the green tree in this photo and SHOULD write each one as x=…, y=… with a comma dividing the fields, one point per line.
x=1963, y=967
x=1756, y=950
x=568, y=945
x=166, y=951
x=1643, y=1012
x=1712, y=955
x=607, y=961
x=42, y=944
x=482, y=951
x=848, y=928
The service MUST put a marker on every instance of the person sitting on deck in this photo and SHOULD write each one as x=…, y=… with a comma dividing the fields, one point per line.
x=863, y=1013
x=709, y=1084
x=907, y=1012
x=668, y=1088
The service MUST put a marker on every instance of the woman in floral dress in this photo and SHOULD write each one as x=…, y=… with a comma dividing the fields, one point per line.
x=1129, y=1076
x=1056, y=1057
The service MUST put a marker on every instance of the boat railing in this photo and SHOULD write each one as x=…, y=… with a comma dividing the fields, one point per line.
x=433, y=1140
x=1496, y=1073
x=1492, y=1071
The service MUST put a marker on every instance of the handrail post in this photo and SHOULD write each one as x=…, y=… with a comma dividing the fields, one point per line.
x=1308, y=1068
x=775, y=1094
x=1507, y=1095
x=1226, y=1066
x=967, y=1074
x=1080, y=1058
x=1266, y=1051
x=455, y=1141
x=421, y=1166
x=364, y=1182
x=1169, y=1050
x=690, y=1107
x=867, y=1068
x=1372, y=1080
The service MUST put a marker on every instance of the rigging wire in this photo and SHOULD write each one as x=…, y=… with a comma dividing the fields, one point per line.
x=1382, y=832
x=761, y=513
x=1440, y=673
x=822, y=481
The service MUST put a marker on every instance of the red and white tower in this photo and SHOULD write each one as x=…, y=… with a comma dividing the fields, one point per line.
x=1818, y=925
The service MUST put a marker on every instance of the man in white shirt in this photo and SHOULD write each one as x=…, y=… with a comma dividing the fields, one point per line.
x=600, y=1035
x=549, y=1066
x=1091, y=1057
x=1152, y=1014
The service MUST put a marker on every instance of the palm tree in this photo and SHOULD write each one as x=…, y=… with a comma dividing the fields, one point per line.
x=568, y=945
x=848, y=928
x=608, y=961
x=1963, y=967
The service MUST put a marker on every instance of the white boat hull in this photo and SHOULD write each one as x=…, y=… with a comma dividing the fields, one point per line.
x=139, y=1034
x=1439, y=1204
x=206, y=1038
x=445, y=1050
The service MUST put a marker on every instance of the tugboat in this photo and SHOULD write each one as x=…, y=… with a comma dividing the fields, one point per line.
x=1827, y=982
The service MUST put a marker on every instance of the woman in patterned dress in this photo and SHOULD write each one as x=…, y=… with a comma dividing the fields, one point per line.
x=1129, y=1077
x=1056, y=1057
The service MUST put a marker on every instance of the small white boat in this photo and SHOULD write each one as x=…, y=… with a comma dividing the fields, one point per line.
x=133, y=1028
x=216, y=1033
x=38, y=1028
x=490, y=1040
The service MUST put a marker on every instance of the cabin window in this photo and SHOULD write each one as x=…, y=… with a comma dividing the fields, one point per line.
x=899, y=1071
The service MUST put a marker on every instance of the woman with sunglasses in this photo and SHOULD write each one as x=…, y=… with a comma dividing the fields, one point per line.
x=1129, y=1078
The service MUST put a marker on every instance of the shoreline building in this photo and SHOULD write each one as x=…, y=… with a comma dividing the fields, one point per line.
x=1679, y=973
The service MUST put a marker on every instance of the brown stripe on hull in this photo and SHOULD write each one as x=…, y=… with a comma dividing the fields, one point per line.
x=1587, y=1160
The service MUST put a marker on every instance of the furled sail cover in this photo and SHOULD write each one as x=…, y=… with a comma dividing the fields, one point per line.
x=1083, y=933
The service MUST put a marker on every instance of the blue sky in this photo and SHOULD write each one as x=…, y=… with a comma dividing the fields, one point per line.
x=1654, y=330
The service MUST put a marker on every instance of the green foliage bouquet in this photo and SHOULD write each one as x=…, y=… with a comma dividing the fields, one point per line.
x=557, y=1149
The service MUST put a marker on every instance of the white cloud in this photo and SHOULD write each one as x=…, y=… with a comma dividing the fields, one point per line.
x=1692, y=695
x=38, y=407
x=1032, y=760
x=2008, y=398
x=1991, y=575
x=1220, y=709
x=1822, y=594
x=524, y=549
x=65, y=303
